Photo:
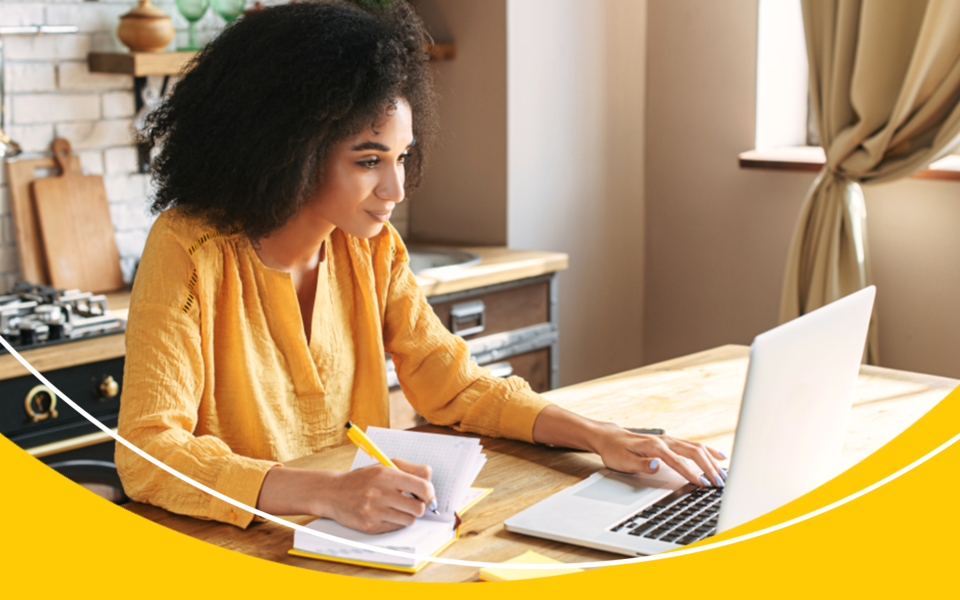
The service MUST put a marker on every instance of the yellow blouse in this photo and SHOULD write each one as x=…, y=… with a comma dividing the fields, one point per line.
x=221, y=384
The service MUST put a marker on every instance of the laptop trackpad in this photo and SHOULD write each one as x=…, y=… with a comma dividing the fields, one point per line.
x=621, y=488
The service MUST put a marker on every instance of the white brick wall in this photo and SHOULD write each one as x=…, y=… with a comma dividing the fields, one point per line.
x=24, y=13
x=117, y=104
x=45, y=47
x=91, y=161
x=120, y=160
x=32, y=138
x=125, y=187
x=76, y=76
x=86, y=135
x=50, y=92
x=43, y=108
x=30, y=77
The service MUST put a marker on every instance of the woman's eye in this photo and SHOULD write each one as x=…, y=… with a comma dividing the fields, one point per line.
x=403, y=158
x=369, y=163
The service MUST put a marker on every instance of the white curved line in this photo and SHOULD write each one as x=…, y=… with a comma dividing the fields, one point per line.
x=453, y=561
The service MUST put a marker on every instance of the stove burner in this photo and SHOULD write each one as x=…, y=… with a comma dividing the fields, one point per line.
x=38, y=315
x=46, y=294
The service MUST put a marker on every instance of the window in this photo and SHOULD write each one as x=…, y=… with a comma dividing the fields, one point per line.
x=786, y=134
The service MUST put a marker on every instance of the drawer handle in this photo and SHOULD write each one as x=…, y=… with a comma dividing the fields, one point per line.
x=467, y=318
x=501, y=369
x=108, y=388
x=34, y=404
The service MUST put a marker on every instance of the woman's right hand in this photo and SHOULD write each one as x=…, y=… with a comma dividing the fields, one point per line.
x=372, y=499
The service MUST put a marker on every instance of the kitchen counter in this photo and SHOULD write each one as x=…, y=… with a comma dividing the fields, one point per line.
x=497, y=265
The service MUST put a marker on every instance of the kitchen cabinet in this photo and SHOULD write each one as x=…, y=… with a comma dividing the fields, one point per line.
x=510, y=327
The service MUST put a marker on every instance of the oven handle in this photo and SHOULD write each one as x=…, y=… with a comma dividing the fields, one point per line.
x=70, y=444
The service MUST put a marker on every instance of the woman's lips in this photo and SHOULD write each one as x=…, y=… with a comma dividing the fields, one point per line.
x=383, y=217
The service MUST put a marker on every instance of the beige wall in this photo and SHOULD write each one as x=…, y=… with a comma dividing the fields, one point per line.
x=464, y=195
x=673, y=247
x=575, y=175
x=564, y=172
x=717, y=235
x=915, y=250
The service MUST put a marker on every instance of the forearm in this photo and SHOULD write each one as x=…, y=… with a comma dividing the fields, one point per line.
x=557, y=426
x=287, y=491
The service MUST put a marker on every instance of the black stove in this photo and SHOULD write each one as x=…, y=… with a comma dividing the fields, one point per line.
x=35, y=316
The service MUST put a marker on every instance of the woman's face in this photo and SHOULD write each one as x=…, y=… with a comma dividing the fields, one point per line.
x=364, y=175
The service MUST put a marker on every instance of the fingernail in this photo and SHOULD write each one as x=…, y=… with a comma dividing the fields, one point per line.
x=654, y=464
x=719, y=481
x=723, y=474
x=723, y=455
x=704, y=481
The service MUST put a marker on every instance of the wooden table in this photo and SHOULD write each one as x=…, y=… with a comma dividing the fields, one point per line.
x=695, y=397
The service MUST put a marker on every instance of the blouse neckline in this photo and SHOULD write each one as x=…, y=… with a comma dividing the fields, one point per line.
x=288, y=321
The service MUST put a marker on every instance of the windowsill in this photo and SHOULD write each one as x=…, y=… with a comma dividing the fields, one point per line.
x=811, y=158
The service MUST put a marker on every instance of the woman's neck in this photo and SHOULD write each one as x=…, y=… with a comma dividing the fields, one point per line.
x=295, y=247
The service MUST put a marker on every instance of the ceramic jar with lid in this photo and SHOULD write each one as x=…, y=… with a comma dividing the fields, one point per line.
x=146, y=28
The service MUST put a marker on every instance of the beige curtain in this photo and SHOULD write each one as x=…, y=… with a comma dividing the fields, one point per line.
x=885, y=90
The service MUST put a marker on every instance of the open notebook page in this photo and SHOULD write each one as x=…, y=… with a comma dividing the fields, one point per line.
x=455, y=461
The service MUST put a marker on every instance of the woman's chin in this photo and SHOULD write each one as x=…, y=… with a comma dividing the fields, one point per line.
x=365, y=232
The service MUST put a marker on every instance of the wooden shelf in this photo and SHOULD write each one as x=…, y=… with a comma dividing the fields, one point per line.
x=442, y=51
x=141, y=64
x=811, y=158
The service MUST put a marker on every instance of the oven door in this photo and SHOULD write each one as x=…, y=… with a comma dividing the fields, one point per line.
x=32, y=417
x=91, y=467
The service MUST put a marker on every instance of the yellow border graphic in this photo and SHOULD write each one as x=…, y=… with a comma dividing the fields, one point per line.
x=897, y=539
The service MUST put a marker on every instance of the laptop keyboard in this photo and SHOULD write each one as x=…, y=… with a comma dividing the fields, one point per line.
x=686, y=516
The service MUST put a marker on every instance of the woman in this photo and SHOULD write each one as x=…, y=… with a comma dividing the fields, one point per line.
x=272, y=284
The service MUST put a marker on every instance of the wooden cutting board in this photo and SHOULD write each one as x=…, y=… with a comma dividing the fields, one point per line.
x=76, y=228
x=21, y=172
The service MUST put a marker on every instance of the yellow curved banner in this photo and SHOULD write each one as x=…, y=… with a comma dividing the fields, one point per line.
x=894, y=540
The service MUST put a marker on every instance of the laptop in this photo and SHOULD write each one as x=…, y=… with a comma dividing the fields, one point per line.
x=796, y=403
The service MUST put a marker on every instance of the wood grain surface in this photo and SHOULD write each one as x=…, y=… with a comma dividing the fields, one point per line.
x=142, y=64
x=695, y=397
x=498, y=265
x=21, y=174
x=77, y=231
x=139, y=64
x=812, y=159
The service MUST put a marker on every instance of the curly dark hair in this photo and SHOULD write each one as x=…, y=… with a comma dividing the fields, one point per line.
x=243, y=137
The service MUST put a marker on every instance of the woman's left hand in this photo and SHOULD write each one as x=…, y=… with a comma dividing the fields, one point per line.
x=629, y=452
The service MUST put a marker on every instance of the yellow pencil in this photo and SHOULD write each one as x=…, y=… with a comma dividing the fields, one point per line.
x=366, y=444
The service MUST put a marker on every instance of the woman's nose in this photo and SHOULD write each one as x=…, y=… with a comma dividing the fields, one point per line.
x=391, y=186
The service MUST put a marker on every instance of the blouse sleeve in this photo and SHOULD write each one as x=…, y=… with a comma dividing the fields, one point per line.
x=162, y=386
x=435, y=370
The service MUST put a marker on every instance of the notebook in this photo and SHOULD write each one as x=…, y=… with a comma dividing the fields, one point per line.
x=527, y=558
x=455, y=461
